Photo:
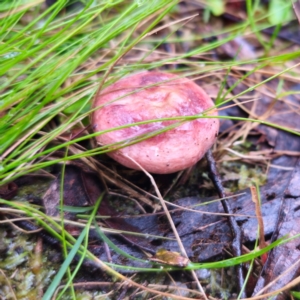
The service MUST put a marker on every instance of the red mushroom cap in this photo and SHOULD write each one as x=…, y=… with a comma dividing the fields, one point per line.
x=170, y=151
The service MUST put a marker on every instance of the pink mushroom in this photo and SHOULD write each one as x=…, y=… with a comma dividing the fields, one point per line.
x=154, y=95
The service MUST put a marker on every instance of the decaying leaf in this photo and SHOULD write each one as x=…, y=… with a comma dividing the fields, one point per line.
x=166, y=257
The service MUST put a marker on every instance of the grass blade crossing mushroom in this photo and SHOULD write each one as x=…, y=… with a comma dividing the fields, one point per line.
x=152, y=95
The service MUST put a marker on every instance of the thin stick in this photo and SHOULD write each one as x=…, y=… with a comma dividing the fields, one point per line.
x=236, y=244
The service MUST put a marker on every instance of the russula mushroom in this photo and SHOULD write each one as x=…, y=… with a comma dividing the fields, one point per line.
x=153, y=95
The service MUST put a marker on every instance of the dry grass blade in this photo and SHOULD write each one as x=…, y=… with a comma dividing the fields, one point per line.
x=256, y=200
x=22, y=8
x=12, y=293
x=293, y=283
x=164, y=206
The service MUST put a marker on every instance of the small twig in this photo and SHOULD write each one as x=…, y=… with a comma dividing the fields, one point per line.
x=235, y=229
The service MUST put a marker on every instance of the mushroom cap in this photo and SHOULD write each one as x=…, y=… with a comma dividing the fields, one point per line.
x=145, y=96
